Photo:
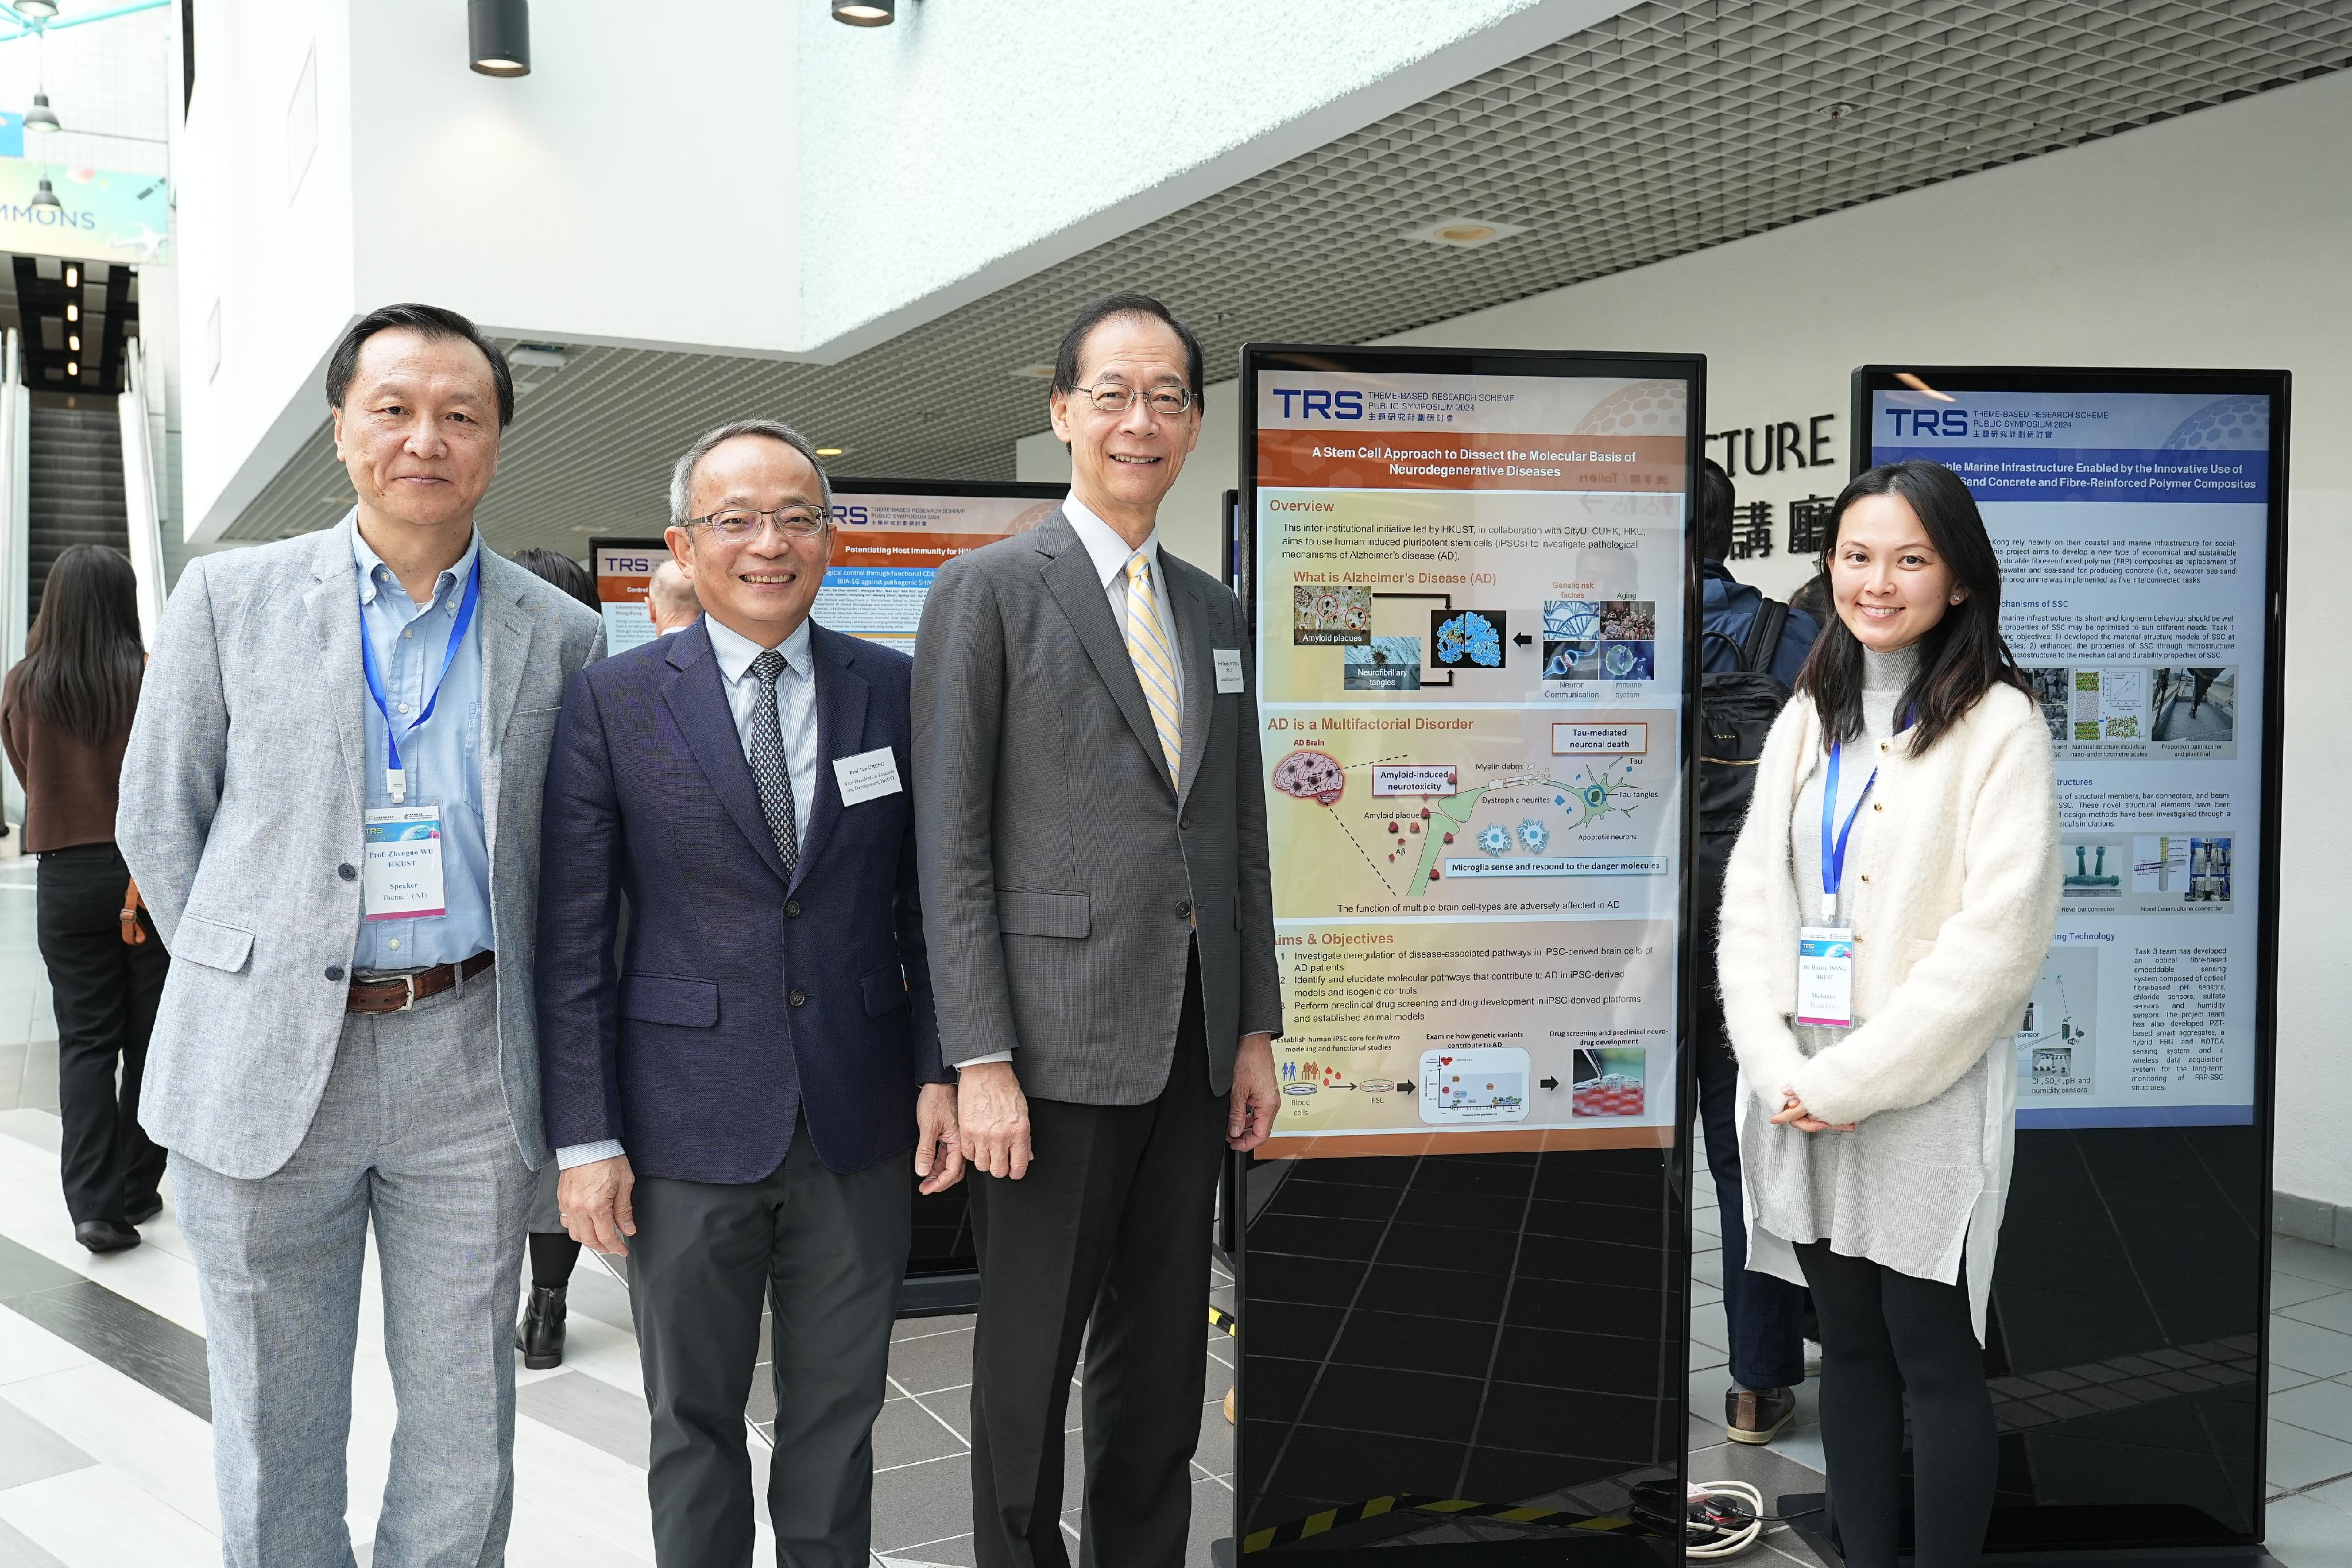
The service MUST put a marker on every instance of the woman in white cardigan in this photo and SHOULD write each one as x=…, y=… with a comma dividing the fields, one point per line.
x=1904, y=832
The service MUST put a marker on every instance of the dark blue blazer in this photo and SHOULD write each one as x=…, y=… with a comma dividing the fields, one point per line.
x=740, y=998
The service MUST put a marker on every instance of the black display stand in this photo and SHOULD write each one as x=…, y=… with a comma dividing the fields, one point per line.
x=2128, y=1335
x=1466, y=1357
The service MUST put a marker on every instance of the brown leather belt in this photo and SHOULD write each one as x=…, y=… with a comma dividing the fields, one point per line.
x=399, y=995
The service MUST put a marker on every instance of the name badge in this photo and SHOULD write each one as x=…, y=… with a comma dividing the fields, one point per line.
x=400, y=863
x=1228, y=670
x=868, y=775
x=1825, y=976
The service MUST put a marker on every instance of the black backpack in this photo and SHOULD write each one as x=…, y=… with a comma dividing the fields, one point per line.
x=1736, y=709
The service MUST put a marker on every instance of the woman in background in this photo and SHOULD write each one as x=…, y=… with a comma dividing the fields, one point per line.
x=553, y=1253
x=65, y=718
x=1885, y=916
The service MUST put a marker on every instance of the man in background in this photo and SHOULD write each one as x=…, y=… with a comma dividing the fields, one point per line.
x=1742, y=689
x=670, y=600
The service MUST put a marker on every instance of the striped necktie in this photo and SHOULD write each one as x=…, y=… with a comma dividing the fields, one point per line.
x=1155, y=663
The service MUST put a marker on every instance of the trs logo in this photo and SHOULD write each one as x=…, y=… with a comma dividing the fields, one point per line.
x=1930, y=420
x=632, y=565
x=849, y=517
x=1321, y=404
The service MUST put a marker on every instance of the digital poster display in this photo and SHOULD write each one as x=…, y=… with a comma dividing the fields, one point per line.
x=890, y=536
x=2140, y=519
x=1470, y=644
x=1462, y=1256
x=622, y=568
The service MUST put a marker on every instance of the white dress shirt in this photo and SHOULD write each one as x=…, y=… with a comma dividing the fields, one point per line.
x=795, y=723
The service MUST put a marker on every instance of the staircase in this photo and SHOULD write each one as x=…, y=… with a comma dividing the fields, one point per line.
x=73, y=483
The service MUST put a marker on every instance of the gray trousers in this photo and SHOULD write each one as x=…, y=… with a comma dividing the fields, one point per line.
x=413, y=1135
x=829, y=1251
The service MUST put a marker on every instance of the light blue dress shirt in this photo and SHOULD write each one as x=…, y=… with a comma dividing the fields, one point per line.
x=443, y=757
x=795, y=726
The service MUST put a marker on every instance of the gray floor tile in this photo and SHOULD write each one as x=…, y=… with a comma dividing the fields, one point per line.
x=30, y=1451
x=933, y=1362
x=591, y=1410
x=2317, y=1408
x=2299, y=1458
x=143, y=1347
x=929, y=1503
x=19, y=1552
x=2305, y=1347
x=2308, y=1260
x=12, y=1071
x=2285, y=1377
x=2302, y=1532
x=2329, y=1312
x=908, y=1432
x=2287, y=1290
x=2336, y=1495
x=1708, y=1268
x=922, y=1328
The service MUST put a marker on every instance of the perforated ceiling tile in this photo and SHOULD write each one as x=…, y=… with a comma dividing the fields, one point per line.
x=1669, y=128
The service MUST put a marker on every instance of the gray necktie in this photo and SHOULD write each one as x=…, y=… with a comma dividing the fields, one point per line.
x=768, y=762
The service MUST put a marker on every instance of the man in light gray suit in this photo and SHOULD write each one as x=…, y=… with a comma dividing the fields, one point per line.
x=332, y=804
x=1090, y=820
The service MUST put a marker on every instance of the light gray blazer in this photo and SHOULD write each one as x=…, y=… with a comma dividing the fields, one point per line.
x=1062, y=874
x=241, y=802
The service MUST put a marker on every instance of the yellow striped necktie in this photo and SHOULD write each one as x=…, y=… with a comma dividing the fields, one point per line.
x=1155, y=663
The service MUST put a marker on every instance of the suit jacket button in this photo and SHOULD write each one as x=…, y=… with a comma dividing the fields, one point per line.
x=346, y=873
x=797, y=997
x=1184, y=910
x=335, y=971
x=793, y=908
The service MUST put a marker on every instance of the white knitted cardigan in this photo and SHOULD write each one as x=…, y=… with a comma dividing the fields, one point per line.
x=1953, y=902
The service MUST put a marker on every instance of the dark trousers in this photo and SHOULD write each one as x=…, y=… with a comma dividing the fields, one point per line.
x=1885, y=1334
x=105, y=992
x=828, y=1252
x=1107, y=1237
x=1764, y=1314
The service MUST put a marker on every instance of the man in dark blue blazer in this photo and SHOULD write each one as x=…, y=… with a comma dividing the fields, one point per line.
x=739, y=1093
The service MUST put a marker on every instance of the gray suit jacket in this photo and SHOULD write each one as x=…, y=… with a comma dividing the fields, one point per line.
x=241, y=803
x=1061, y=874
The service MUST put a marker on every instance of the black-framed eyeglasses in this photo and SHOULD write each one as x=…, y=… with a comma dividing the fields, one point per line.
x=741, y=525
x=1165, y=403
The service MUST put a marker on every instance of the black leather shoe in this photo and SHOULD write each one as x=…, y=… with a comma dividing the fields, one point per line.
x=1757, y=1415
x=105, y=1236
x=540, y=1335
x=144, y=1210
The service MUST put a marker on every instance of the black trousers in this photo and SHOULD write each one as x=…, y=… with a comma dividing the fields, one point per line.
x=1107, y=1237
x=1883, y=1334
x=1764, y=1314
x=828, y=1250
x=105, y=992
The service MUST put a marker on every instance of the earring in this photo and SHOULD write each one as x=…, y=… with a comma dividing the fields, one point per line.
x=1957, y=598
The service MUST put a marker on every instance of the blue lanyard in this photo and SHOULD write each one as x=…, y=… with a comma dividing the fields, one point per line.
x=396, y=778
x=1834, y=848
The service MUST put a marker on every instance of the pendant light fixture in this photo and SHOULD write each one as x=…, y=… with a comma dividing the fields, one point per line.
x=497, y=36
x=46, y=196
x=36, y=10
x=864, y=12
x=41, y=118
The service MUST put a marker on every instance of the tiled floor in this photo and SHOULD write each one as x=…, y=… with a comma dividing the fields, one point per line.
x=103, y=1411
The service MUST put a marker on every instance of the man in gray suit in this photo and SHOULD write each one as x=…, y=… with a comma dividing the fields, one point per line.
x=1091, y=826
x=331, y=803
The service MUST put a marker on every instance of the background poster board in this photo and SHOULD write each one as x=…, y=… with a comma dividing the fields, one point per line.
x=622, y=568
x=2141, y=523
x=1462, y=1254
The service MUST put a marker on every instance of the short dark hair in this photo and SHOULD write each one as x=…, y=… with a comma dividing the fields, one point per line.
x=1065, y=364
x=1716, y=499
x=433, y=322
x=555, y=566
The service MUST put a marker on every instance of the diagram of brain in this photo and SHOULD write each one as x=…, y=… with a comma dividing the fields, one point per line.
x=1309, y=776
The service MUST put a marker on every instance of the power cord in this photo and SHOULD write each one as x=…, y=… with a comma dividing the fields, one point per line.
x=1718, y=1519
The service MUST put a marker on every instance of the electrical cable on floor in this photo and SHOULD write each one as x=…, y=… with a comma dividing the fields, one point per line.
x=1727, y=1518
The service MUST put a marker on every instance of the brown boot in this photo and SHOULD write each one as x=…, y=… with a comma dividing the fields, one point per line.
x=1757, y=1415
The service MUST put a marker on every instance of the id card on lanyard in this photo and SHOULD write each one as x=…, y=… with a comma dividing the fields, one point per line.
x=401, y=860
x=1825, y=952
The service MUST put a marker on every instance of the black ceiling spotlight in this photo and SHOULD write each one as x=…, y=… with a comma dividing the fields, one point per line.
x=864, y=12
x=497, y=36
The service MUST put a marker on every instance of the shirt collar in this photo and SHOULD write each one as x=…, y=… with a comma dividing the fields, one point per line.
x=1104, y=546
x=736, y=651
x=369, y=562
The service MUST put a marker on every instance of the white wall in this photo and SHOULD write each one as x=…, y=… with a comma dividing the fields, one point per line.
x=967, y=146
x=2217, y=240
x=638, y=187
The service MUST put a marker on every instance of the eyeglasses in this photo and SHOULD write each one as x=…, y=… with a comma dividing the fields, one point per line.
x=1165, y=403
x=741, y=525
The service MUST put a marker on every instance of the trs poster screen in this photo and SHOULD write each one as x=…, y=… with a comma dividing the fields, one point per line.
x=1470, y=620
x=890, y=539
x=2133, y=529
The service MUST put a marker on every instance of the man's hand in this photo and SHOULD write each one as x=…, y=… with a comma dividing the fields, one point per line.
x=1254, y=1096
x=993, y=1117
x=939, y=1154
x=594, y=1200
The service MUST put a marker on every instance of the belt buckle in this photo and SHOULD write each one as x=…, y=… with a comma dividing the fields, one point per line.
x=410, y=1005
